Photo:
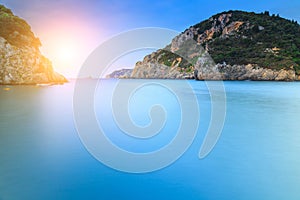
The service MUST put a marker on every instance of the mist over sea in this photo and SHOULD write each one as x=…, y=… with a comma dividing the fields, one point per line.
x=256, y=157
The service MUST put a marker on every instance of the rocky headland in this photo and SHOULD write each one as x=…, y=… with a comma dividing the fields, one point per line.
x=233, y=45
x=21, y=61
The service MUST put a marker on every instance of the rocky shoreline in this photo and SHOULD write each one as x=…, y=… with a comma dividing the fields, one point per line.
x=21, y=62
x=246, y=72
x=223, y=72
x=204, y=69
x=233, y=45
x=25, y=66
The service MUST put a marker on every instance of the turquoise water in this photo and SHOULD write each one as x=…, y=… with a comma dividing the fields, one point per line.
x=256, y=157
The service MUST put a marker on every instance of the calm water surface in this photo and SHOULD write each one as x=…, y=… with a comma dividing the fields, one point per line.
x=257, y=156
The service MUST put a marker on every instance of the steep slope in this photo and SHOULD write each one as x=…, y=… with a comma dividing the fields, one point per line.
x=236, y=45
x=21, y=61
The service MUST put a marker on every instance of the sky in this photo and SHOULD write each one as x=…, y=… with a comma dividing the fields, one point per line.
x=71, y=29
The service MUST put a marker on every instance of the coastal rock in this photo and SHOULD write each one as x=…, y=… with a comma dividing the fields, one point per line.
x=25, y=66
x=159, y=71
x=233, y=45
x=285, y=75
x=245, y=72
x=206, y=69
x=182, y=38
x=21, y=61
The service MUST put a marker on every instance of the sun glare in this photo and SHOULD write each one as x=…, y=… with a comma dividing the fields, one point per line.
x=66, y=44
x=65, y=53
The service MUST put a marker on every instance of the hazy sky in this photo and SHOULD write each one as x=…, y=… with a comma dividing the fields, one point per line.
x=71, y=29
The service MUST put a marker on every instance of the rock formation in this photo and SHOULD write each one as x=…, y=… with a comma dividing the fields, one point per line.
x=21, y=61
x=232, y=45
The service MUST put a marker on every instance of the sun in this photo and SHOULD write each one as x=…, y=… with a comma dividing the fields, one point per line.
x=65, y=53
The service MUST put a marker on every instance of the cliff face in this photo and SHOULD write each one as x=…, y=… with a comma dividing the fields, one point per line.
x=233, y=45
x=151, y=67
x=243, y=72
x=21, y=61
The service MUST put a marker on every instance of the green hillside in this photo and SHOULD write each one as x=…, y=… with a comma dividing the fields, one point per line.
x=268, y=41
x=15, y=30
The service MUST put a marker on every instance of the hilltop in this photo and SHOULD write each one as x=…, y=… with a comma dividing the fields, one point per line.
x=232, y=45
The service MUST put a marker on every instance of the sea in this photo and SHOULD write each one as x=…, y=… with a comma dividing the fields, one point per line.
x=48, y=149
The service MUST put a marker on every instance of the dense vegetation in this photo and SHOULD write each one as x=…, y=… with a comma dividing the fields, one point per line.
x=268, y=41
x=263, y=39
x=15, y=30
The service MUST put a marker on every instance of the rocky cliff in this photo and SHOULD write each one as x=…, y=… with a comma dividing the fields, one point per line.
x=21, y=61
x=232, y=45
